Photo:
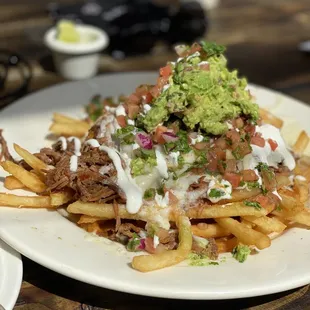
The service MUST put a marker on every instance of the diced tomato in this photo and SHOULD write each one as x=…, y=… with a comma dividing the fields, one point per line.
x=149, y=245
x=269, y=179
x=273, y=144
x=201, y=146
x=193, y=49
x=121, y=119
x=155, y=91
x=219, y=153
x=258, y=140
x=250, y=129
x=262, y=200
x=161, y=81
x=165, y=71
x=231, y=165
x=148, y=97
x=173, y=200
x=133, y=99
x=221, y=143
x=249, y=175
x=158, y=135
x=205, y=67
x=212, y=164
x=233, y=136
x=142, y=90
x=233, y=178
x=238, y=122
x=132, y=110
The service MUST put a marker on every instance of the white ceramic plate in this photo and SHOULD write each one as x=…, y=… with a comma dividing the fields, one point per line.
x=51, y=240
x=11, y=274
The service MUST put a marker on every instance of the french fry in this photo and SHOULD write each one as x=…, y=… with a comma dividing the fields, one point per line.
x=145, y=263
x=301, y=189
x=30, y=180
x=302, y=217
x=266, y=224
x=301, y=143
x=245, y=234
x=86, y=219
x=209, y=231
x=25, y=201
x=11, y=183
x=68, y=130
x=34, y=162
x=228, y=210
x=269, y=118
x=64, y=119
x=61, y=198
x=226, y=245
x=242, y=194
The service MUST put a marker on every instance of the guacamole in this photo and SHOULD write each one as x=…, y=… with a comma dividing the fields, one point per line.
x=203, y=93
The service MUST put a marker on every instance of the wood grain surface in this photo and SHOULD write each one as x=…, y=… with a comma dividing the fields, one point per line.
x=262, y=37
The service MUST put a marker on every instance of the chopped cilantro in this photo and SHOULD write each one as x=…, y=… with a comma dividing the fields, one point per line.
x=278, y=208
x=133, y=243
x=180, y=145
x=95, y=108
x=200, y=260
x=237, y=153
x=212, y=48
x=254, y=204
x=251, y=185
x=216, y=193
x=241, y=252
x=149, y=193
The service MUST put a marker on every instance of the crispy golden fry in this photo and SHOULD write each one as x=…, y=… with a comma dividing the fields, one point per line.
x=301, y=189
x=247, y=223
x=243, y=194
x=25, y=201
x=266, y=224
x=209, y=231
x=289, y=204
x=282, y=180
x=301, y=143
x=228, y=210
x=226, y=245
x=11, y=183
x=64, y=119
x=68, y=130
x=245, y=234
x=147, y=263
x=34, y=162
x=30, y=180
x=61, y=198
x=86, y=219
x=302, y=217
x=269, y=118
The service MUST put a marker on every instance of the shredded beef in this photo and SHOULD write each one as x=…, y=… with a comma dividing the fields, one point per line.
x=128, y=229
x=210, y=250
x=49, y=156
x=4, y=153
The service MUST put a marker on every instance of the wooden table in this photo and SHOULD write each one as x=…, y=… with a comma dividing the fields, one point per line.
x=262, y=38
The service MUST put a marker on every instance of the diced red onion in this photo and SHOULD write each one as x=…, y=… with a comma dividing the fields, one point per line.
x=170, y=136
x=180, y=49
x=144, y=141
x=141, y=246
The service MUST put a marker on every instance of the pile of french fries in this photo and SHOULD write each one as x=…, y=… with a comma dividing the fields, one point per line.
x=232, y=222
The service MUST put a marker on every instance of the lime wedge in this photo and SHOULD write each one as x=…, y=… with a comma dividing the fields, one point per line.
x=66, y=32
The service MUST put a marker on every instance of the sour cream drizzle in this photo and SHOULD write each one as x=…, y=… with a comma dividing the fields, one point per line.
x=126, y=183
x=265, y=154
x=63, y=141
x=92, y=143
x=77, y=145
x=73, y=163
x=161, y=164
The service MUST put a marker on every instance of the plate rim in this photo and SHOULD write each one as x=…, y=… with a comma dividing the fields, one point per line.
x=48, y=263
x=13, y=270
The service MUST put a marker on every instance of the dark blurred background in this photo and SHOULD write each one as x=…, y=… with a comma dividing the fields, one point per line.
x=262, y=37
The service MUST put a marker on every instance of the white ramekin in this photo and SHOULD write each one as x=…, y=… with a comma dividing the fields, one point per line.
x=77, y=61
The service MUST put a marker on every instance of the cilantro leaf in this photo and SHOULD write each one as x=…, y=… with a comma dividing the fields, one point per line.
x=211, y=48
x=216, y=193
x=254, y=204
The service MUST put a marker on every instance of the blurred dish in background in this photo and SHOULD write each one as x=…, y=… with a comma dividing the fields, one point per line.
x=135, y=26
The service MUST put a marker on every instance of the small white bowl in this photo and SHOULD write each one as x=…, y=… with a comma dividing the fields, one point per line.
x=77, y=61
